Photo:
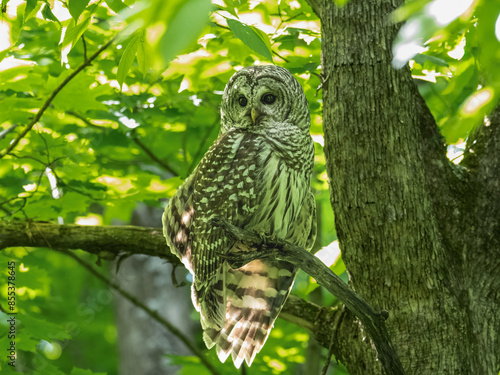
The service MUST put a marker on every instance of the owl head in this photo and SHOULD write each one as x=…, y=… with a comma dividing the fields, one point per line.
x=264, y=99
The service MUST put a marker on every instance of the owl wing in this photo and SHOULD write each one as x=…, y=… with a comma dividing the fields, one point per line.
x=178, y=219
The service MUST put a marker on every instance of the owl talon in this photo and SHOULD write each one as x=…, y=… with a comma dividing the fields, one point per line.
x=267, y=238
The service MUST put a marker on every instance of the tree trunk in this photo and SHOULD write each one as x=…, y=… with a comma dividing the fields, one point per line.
x=407, y=219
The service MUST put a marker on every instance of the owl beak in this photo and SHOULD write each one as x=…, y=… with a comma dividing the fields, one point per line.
x=254, y=114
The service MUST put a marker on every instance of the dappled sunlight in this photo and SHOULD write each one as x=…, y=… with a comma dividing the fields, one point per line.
x=477, y=101
x=52, y=350
x=120, y=185
x=425, y=24
x=30, y=187
x=455, y=153
x=497, y=28
x=458, y=52
x=91, y=219
x=446, y=11
x=329, y=254
x=23, y=268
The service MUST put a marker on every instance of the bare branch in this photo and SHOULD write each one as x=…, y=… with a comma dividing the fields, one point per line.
x=104, y=241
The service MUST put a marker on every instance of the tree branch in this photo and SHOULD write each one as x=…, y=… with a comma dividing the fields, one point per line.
x=108, y=242
x=41, y=111
x=105, y=241
x=373, y=322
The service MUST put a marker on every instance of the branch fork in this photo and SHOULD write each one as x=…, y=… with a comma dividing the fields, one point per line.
x=373, y=321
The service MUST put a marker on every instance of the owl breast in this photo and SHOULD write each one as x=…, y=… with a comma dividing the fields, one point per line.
x=282, y=191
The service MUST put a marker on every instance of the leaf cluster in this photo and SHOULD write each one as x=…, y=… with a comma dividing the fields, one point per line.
x=127, y=129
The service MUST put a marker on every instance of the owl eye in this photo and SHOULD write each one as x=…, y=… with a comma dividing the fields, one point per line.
x=243, y=101
x=268, y=99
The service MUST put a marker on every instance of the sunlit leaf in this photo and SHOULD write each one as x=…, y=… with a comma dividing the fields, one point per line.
x=184, y=27
x=78, y=95
x=127, y=59
x=76, y=7
x=30, y=7
x=73, y=34
x=422, y=58
x=144, y=56
x=47, y=13
x=249, y=36
x=116, y=5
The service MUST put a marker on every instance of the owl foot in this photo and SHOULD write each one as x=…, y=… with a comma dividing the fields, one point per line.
x=266, y=239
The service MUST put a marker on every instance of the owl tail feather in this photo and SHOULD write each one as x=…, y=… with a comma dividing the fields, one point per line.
x=242, y=336
x=255, y=295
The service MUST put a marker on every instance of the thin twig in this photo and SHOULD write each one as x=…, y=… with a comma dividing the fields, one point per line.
x=281, y=57
x=328, y=356
x=7, y=131
x=84, y=49
x=52, y=96
x=62, y=184
x=85, y=120
x=155, y=158
x=335, y=333
x=151, y=313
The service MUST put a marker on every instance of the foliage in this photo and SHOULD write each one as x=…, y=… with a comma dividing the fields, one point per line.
x=136, y=121
x=456, y=46
x=126, y=130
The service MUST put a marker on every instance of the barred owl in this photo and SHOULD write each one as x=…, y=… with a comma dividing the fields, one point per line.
x=257, y=176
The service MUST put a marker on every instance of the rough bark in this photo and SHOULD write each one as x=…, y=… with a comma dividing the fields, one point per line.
x=400, y=206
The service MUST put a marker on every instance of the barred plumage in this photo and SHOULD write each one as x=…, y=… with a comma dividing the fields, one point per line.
x=257, y=176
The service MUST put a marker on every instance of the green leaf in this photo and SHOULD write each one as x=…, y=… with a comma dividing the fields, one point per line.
x=184, y=27
x=127, y=59
x=116, y=5
x=30, y=7
x=42, y=328
x=47, y=13
x=421, y=59
x=76, y=7
x=74, y=32
x=250, y=37
x=231, y=10
x=78, y=95
x=144, y=56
